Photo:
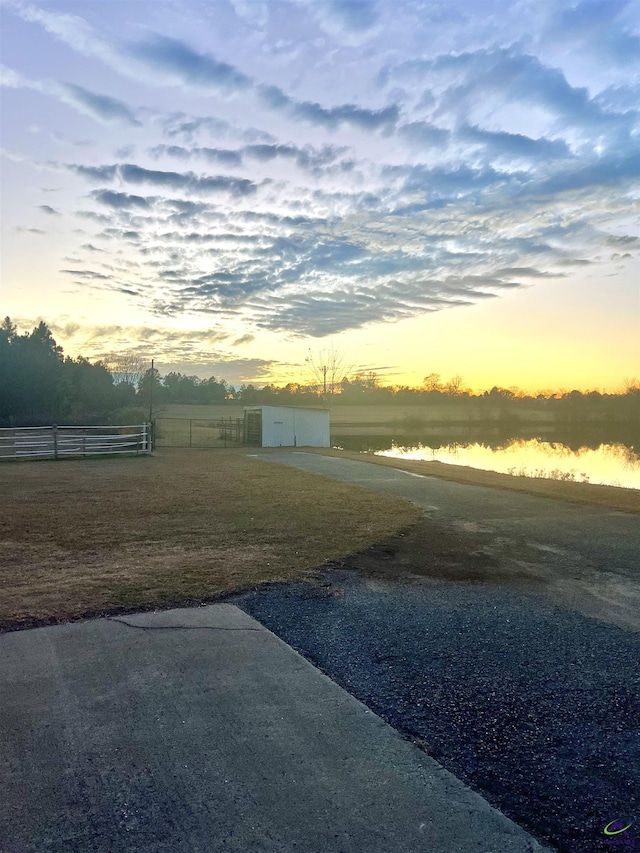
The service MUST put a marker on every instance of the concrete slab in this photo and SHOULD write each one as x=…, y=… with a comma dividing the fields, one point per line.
x=199, y=730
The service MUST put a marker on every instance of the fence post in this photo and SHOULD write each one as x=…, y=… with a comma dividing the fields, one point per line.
x=54, y=430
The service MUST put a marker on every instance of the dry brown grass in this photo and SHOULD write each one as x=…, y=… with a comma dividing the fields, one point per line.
x=613, y=497
x=81, y=537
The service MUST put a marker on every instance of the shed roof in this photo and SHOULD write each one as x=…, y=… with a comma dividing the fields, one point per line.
x=294, y=408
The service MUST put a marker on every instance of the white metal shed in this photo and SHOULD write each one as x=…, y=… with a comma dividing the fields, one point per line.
x=286, y=426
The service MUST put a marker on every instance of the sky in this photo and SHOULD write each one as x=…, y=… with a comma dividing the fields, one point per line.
x=232, y=187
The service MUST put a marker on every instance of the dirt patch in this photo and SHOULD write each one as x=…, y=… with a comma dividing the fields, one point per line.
x=462, y=552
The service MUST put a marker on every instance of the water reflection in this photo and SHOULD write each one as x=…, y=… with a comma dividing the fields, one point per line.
x=614, y=464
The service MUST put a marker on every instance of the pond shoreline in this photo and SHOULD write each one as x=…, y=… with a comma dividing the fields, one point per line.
x=612, y=497
x=585, y=456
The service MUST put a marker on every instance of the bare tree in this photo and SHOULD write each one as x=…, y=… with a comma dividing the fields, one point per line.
x=328, y=368
x=454, y=385
x=432, y=382
x=126, y=367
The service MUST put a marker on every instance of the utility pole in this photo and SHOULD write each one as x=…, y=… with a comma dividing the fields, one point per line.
x=151, y=395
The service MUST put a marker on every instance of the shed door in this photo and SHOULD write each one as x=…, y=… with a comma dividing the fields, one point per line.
x=253, y=428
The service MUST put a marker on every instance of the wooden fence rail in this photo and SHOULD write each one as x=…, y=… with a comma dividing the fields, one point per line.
x=58, y=442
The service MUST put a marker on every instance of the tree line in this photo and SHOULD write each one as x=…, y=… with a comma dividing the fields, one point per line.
x=39, y=385
x=457, y=404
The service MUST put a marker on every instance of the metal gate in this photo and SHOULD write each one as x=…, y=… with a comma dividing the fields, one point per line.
x=198, y=432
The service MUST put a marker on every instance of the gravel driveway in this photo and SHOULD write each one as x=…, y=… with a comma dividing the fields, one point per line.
x=452, y=634
x=534, y=707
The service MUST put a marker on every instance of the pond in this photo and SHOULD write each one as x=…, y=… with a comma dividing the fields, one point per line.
x=612, y=464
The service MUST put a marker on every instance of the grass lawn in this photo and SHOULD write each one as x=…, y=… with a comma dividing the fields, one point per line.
x=89, y=536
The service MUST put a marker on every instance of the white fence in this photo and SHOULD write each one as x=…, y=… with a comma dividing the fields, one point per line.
x=57, y=442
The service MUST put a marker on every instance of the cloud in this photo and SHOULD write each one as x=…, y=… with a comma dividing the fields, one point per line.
x=118, y=200
x=311, y=275
x=598, y=25
x=71, y=29
x=181, y=63
x=355, y=15
x=621, y=99
x=94, y=173
x=346, y=113
x=590, y=16
x=219, y=156
x=428, y=185
x=308, y=157
x=102, y=108
x=253, y=12
x=514, y=145
x=466, y=81
x=526, y=272
x=423, y=133
x=284, y=294
x=194, y=351
x=243, y=339
x=91, y=274
x=480, y=163
x=206, y=363
x=186, y=127
x=11, y=79
x=159, y=60
x=45, y=208
x=180, y=124
x=319, y=314
x=601, y=173
x=131, y=173
x=330, y=117
x=350, y=21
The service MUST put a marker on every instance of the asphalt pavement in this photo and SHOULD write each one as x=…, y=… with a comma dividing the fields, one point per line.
x=601, y=538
